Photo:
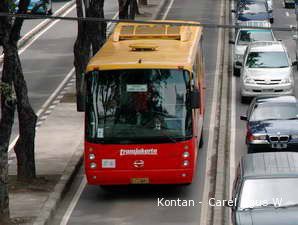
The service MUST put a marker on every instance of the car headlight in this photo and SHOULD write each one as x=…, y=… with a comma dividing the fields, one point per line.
x=294, y=136
x=286, y=80
x=248, y=80
x=259, y=137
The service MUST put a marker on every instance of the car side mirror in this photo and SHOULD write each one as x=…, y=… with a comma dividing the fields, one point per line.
x=231, y=42
x=243, y=118
x=195, y=99
x=239, y=64
x=233, y=10
x=295, y=63
x=270, y=11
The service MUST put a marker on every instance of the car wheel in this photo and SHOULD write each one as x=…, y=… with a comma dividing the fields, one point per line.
x=236, y=71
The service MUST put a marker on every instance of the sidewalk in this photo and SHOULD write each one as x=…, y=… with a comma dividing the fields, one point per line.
x=59, y=149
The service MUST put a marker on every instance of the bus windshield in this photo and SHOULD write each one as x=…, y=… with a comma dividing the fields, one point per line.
x=138, y=106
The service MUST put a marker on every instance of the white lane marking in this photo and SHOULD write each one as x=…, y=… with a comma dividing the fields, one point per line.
x=168, y=10
x=287, y=14
x=45, y=30
x=46, y=104
x=37, y=27
x=73, y=202
x=83, y=184
x=204, y=208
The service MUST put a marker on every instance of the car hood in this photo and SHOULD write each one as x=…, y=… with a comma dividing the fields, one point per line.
x=240, y=49
x=268, y=73
x=273, y=126
x=270, y=216
x=253, y=16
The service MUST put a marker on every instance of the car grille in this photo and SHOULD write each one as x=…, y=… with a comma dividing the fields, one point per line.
x=267, y=82
x=282, y=138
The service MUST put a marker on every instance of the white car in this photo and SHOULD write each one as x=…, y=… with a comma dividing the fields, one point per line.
x=246, y=35
x=266, y=70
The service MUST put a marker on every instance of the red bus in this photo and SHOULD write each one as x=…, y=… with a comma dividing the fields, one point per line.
x=145, y=106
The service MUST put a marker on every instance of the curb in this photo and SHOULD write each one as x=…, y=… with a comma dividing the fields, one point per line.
x=52, y=203
x=60, y=189
x=220, y=214
x=28, y=36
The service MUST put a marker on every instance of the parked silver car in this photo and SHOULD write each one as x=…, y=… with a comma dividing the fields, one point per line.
x=266, y=70
x=246, y=35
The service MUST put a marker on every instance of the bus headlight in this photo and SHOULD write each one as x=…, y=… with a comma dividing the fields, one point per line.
x=93, y=165
x=91, y=156
x=185, y=163
x=185, y=154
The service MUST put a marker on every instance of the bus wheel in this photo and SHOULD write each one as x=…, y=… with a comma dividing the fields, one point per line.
x=201, y=141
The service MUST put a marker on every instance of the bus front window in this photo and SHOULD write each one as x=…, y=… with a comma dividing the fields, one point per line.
x=137, y=106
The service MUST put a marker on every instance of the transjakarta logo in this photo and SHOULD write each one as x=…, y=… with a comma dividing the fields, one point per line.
x=138, y=151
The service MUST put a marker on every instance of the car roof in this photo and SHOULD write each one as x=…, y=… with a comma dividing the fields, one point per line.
x=254, y=23
x=268, y=46
x=267, y=165
x=276, y=99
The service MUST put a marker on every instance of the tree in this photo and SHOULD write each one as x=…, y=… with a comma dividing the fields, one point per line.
x=91, y=36
x=128, y=9
x=13, y=83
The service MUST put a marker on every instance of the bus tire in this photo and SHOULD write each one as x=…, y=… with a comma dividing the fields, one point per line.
x=201, y=143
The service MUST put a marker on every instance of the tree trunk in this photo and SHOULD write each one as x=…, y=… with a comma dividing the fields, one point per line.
x=24, y=147
x=96, y=31
x=128, y=9
x=91, y=36
x=81, y=57
x=8, y=105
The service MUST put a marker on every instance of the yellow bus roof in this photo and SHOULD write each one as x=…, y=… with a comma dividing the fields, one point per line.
x=161, y=46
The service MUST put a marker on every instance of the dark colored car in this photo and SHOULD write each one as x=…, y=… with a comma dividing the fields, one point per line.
x=43, y=7
x=289, y=3
x=272, y=124
x=265, y=190
x=254, y=11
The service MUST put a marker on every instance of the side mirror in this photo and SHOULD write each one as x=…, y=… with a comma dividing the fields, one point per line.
x=195, y=99
x=233, y=11
x=231, y=42
x=239, y=63
x=295, y=63
x=243, y=118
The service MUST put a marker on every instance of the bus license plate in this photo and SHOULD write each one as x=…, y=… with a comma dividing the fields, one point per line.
x=279, y=145
x=144, y=180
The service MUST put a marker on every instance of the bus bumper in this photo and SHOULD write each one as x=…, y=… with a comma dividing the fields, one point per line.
x=177, y=176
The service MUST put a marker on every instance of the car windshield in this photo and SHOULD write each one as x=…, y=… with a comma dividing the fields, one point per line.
x=267, y=60
x=278, y=192
x=246, y=36
x=137, y=106
x=274, y=111
x=252, y=8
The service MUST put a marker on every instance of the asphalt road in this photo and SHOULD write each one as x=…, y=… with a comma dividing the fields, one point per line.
x=139, y=205
x=30, y=24
x=48, y=60
x=282, y=18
